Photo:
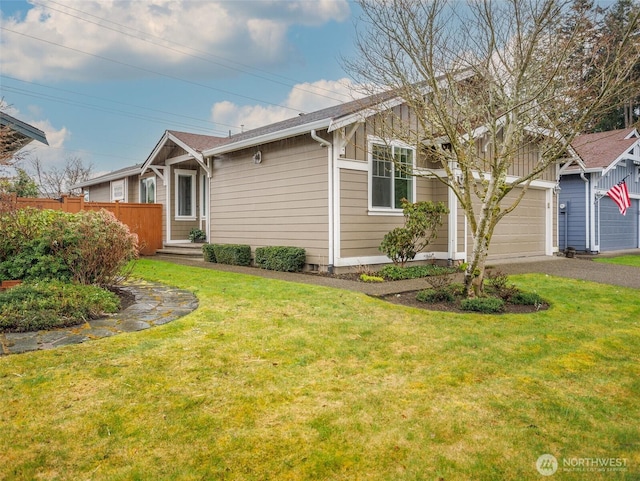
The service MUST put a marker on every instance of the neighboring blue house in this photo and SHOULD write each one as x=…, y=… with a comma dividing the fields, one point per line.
x=588, y=219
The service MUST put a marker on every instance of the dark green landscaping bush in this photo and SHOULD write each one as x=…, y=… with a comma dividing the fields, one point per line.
x=86, y=247
x=527, y=299
x=435, y=295
x=485, y=305
x=396, y=273
x=47, y=305
x=233, y=254
x=209, y=253
x=281, y=258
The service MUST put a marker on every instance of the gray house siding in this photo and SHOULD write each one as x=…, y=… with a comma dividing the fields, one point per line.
x=572, y=219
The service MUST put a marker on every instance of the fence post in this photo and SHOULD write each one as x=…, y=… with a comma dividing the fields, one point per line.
x=118, y=209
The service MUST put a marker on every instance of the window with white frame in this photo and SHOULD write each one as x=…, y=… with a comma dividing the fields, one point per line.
x=148, y=190
x=118, y=190
x=185, y=194
x=391, y=178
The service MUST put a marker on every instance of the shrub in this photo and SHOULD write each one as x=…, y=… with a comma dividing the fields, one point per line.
x=368, y=278
x=197, y=235
x=281, y=258
x=421, y=220
x=86, y=247
x=485, y=305
x=498, y=284
x=209, y=253
x=435, y=295
x=232, y=254
x=47, y=305
x=104, y=248
x=396, y=273
x=527, y=299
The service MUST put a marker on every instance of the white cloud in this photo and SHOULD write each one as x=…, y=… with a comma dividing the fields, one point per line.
x=253, y=31
x=51, y=155
x=303, y=98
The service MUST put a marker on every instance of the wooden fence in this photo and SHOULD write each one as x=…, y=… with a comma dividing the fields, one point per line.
x=145, y=220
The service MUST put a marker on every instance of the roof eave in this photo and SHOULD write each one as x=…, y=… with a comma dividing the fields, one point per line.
x=267, y=138
x=108, y=177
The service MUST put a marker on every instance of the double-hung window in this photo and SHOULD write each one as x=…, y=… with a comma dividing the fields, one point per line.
x=148, y=190
x=391, y=175
x=185, y=192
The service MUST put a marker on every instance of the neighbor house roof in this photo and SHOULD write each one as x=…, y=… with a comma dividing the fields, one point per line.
x=108, y=177
x=20, y=135
x=602, y=150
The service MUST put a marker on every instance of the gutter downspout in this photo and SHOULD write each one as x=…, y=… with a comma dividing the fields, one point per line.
x=329, y=146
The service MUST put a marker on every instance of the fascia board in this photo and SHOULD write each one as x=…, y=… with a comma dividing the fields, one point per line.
x=266, y=138
x=615, y=163
x=362, y=115
x=197, y=155
x=108, y=177
x=154, y=152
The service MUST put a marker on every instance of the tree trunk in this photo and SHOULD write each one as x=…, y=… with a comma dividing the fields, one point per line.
x=474, y=274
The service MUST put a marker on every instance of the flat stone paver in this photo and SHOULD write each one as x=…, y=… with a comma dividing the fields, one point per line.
x=155, y=305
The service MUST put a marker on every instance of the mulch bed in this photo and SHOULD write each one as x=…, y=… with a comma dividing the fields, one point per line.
x=409, y=299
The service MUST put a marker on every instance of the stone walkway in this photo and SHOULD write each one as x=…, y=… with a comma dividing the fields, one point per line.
x=155, y=304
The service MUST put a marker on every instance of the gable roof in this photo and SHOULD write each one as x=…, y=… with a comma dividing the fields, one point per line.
x=20, y=134
x=330, y=118
x=603, y=150
x=197, y=142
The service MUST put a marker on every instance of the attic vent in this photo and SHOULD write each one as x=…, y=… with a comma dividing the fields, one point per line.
x=257, y=157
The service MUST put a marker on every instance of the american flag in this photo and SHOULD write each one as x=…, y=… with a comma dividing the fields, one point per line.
x=620, y=195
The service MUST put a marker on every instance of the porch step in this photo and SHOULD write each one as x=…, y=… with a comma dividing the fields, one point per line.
x=184, y=250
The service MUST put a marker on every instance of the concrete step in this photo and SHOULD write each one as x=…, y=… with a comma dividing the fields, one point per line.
x=186, y=250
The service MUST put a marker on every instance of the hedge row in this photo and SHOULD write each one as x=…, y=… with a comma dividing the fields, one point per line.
x=275, y=258
x=281, y=258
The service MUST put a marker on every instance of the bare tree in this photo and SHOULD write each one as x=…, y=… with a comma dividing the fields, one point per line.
x=490, y=87
x=56, y=181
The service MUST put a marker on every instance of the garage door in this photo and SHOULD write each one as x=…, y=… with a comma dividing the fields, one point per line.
x=522, y=232
x=618, y=231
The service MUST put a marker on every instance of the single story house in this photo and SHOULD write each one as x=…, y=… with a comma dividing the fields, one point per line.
x=589, y=220
x=323, y=181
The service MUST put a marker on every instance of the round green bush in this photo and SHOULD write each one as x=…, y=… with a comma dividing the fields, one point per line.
x=90, y=247
x=435, y=295
x=527, y=299
x=483, y=304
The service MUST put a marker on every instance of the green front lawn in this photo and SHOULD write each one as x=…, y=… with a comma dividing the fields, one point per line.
x=629, y=260
x=270, y=380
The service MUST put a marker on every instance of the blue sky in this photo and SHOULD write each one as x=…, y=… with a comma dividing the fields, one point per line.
x=104, y=79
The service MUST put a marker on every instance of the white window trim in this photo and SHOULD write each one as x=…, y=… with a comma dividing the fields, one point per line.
x=155, y=193
x=194, y=210
x=392, y=211
x=204, y=187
